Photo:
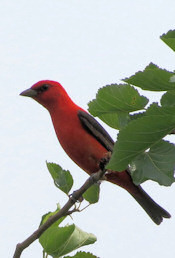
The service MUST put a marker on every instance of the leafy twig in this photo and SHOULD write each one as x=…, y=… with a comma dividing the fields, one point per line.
x=94, y=178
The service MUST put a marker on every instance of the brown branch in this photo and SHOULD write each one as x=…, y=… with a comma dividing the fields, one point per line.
x=94, y=178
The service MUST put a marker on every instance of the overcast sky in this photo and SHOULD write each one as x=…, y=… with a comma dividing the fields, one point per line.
x=84, y=45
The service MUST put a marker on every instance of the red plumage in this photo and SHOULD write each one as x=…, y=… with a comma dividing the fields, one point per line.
x=86, y=142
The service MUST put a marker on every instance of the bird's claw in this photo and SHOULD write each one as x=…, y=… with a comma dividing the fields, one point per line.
x=104, y=161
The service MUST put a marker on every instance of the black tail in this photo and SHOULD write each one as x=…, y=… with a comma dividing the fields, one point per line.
x=124, y=180
x=155, y=212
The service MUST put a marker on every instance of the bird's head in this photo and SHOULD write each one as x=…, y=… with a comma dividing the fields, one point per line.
x=46, y=92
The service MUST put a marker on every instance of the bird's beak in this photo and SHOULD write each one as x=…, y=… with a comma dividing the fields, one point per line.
x=29, y=93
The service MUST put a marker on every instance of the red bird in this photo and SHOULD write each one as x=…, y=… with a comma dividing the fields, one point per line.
x=86, y=141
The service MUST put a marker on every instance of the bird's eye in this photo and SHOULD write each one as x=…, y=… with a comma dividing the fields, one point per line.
x=44, y=87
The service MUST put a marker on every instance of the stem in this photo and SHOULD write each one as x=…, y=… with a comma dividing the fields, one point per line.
x=94, y=178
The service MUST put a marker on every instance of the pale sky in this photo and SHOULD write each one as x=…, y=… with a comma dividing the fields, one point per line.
x=84, y=45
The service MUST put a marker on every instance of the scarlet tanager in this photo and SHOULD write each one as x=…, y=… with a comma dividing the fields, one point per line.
x=86, y=141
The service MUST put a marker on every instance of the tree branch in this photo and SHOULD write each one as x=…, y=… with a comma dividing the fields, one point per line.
x=94, y=178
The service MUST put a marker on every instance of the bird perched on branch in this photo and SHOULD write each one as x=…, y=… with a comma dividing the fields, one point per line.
x=86, y=142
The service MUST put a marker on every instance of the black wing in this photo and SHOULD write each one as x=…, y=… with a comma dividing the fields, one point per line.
x=96, y=130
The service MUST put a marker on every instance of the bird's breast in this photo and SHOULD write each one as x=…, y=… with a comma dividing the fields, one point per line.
x=79, y=145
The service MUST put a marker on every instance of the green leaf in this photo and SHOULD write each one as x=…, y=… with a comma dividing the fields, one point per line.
x=115, y=120
x=49, y=214
x=155, y=109
x=114, y=102
x=92, y=194
x=141, y=134
x=169, y=39
x=58, y=241
x=62, y=178
x=136, y=115
x=153, y=78
x=168, y=99
x=117, y=98
x=157, y=164
x=82, y=255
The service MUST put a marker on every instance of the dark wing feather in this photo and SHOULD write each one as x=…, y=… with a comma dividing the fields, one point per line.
x=96, y=130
